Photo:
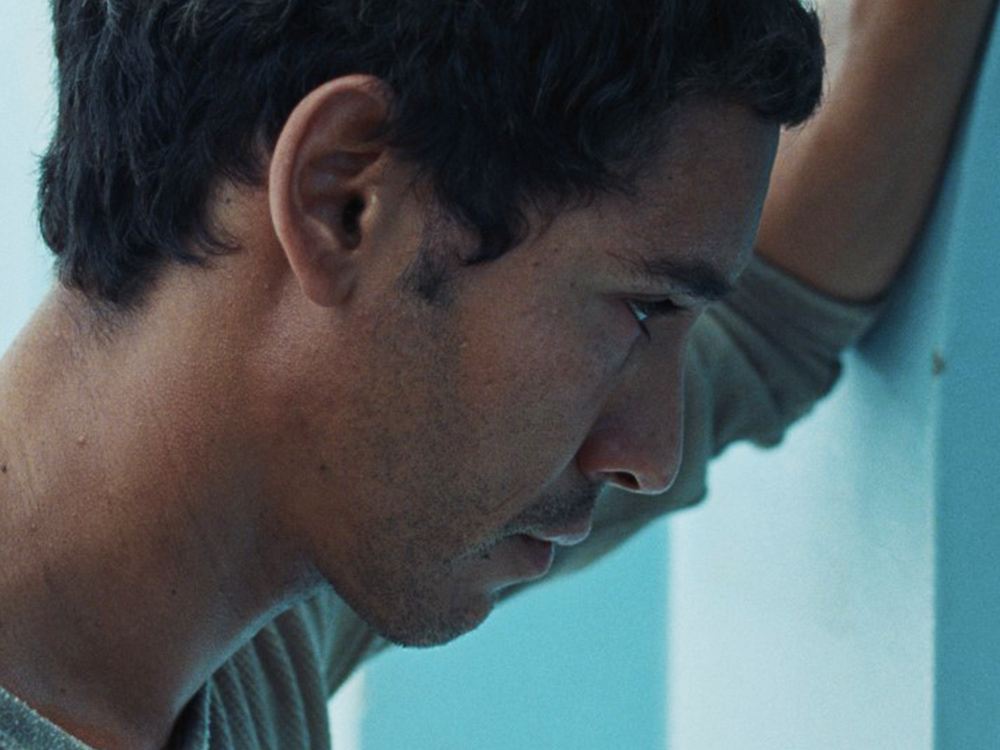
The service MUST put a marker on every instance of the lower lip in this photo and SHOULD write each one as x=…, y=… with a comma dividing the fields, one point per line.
x=538, y=553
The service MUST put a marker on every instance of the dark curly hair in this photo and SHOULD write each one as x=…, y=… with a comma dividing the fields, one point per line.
x=499, y=102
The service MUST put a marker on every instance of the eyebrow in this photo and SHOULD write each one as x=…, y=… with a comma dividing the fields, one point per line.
x=694, y=279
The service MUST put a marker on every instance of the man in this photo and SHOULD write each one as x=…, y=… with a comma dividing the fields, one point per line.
x=361, y=305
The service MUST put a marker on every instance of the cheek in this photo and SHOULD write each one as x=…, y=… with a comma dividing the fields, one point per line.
x=547, y=380
x=585, y=351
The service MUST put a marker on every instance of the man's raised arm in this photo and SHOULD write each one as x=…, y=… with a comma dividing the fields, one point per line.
x=851, y=188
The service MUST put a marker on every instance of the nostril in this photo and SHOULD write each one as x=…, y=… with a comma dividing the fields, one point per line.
x=643, y=464
x=625, y=480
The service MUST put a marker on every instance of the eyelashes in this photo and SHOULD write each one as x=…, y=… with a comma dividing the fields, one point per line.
x=644, y=310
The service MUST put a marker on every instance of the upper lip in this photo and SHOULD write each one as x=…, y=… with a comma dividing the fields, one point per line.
x=565, y=536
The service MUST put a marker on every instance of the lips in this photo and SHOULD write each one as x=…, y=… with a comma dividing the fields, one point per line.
x=565, y=536
x=534, y=550
x=537, y=555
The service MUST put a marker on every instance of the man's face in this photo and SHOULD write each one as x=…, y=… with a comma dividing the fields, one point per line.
x=470, y=434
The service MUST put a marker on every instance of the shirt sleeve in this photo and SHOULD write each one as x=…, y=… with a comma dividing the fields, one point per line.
x=757, y=362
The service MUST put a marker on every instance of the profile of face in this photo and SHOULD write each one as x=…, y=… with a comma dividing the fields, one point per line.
x=458, y=422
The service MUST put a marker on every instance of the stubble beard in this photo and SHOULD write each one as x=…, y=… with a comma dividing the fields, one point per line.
x=422, y=603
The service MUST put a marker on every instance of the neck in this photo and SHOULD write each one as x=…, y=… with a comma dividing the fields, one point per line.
x=133, y=561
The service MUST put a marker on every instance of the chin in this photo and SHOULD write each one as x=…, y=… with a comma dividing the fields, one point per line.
x=429, y=629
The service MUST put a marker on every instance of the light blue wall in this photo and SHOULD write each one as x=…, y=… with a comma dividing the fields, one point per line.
x=24, y=129
x=967, y=445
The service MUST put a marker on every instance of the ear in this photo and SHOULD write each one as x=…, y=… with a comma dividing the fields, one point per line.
x=323, y=184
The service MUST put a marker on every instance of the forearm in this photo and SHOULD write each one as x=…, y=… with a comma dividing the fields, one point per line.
x=852, y=186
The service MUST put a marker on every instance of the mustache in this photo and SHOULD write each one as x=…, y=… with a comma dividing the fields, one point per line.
x=557, y=510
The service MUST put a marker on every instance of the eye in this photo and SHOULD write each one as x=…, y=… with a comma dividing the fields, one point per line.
x=643, y=310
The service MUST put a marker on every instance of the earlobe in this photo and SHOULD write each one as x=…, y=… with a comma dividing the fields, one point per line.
x=323, y=184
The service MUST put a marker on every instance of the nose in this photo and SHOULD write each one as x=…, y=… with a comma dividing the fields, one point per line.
x=637, y=442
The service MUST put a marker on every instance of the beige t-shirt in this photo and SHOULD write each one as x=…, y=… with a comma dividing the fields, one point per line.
x=757, y=362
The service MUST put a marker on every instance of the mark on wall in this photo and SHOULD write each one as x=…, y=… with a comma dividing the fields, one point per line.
x=938, y=364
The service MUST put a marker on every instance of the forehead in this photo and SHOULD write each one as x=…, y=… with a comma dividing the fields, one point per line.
x=718, y=143
x=695, y=203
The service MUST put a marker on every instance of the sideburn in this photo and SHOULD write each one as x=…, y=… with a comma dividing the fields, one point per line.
x=430, y=276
